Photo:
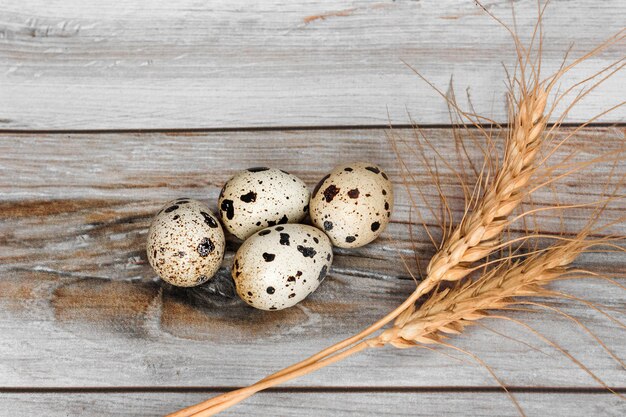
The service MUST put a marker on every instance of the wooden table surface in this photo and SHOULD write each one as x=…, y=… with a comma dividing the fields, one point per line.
x=108, y=109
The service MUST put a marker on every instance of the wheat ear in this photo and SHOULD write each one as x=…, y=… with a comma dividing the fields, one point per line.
x=479, y=231
x=450, y=310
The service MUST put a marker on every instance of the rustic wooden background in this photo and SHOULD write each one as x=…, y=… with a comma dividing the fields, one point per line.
x=108, y=109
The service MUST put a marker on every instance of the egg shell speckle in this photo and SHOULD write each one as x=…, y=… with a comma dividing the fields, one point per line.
x=261, y=197
x=280, y=266
x=352, y=204
x=185, y=243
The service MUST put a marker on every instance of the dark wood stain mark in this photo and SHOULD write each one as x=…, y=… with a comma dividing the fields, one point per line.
x=116, y=306
x=30, y=208
x=198, y=313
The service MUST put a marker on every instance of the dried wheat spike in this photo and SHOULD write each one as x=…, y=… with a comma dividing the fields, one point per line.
x=450, y=310
x=477, y=234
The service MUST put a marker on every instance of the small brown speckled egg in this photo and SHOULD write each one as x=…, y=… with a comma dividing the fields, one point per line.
x=185, y=243
x=279, y=266
x=352, y=204
x=260, y=197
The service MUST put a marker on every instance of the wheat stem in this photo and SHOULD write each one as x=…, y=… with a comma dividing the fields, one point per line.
x=200, y=410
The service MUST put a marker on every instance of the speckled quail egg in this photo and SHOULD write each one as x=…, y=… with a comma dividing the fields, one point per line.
x=279, y=266
x=352, y=204
x=185, y=243
x=260, y=197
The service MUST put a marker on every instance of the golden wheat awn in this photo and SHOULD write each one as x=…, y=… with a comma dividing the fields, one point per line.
x=477, y=235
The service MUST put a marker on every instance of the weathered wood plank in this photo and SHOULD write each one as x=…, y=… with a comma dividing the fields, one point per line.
x=315, y=404
x=98, y=192
x=79, y=306
x=153, y=167
x=93, y=65
x=73, y=331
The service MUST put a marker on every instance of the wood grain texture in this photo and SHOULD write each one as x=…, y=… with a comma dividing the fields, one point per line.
x=79, y=306
x=97, y=65
x=301, y=404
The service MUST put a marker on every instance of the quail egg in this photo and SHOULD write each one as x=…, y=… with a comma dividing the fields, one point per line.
x=260, y=197
x=352, y=204
x=185, y=243
x=280, y=266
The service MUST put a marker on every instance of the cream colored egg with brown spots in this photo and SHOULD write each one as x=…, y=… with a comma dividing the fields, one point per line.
x=353, y=204
x=280, y=266
x=261, y=197
x=185, y=243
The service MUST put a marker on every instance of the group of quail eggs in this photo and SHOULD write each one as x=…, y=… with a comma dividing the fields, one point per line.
x=281, y=261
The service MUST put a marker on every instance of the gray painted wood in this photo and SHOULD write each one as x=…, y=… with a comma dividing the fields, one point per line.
x=316, y=404
x=73, y=331
x=98, y=65
x=79, y=306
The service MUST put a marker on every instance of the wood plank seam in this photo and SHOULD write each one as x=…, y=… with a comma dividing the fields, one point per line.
x=303, y=128
x=312, y=389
